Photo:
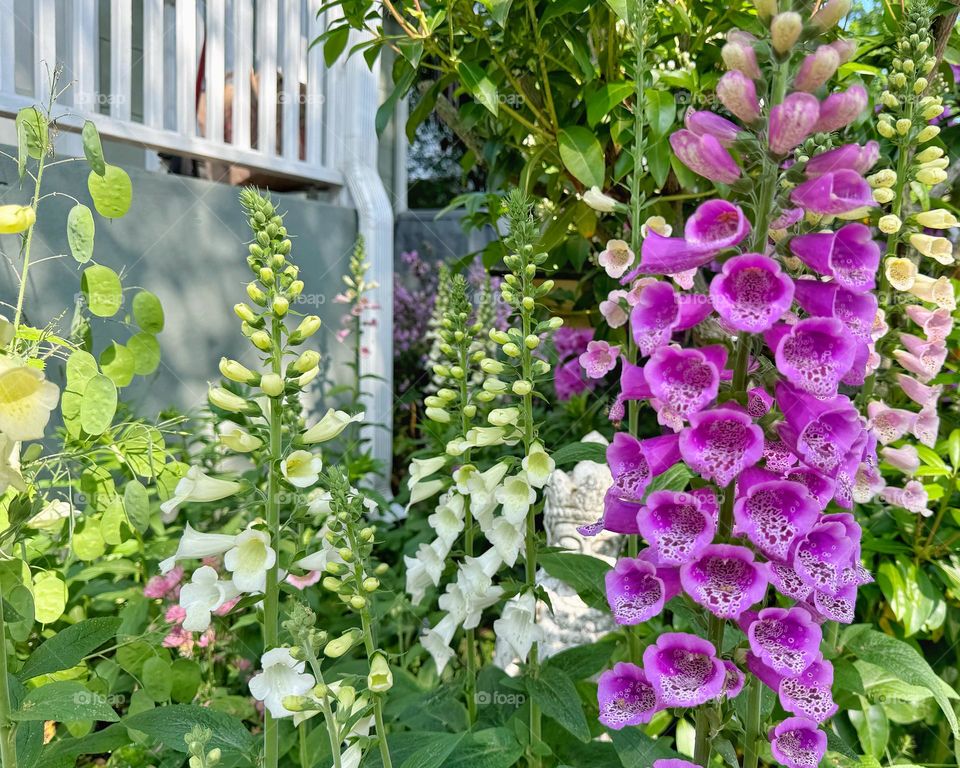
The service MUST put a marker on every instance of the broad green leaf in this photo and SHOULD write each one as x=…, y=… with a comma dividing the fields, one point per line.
x=601, y=101
x=148, y=312
x=88, y=542
x=32, y=132
x=146, y=353
x=583, y=573
x=953, y=448
x=574, y=453
x=157, y=678
x=335, y=42
x=674, y=479
x=112, y=192
x=619, y=7
x=99, y=742
x=660, y=108
x=583, y=661
x=435, y=750
x=99, y=405
x=62, y=702
x=930, y=457
x=498, y=9
x=400, y=89
x=92, y=148
x=102, y=290
x=185, y=680
x=557, y=696
x=637, y=750
x=69, y=646
x=132, y=656
x=872, y=726
x=20, y=599
x=170, y=724
x=582, y=155
x=487, y=748
x=80, y=233
x=910, y=594
x=49, y=597
x=475, y=80
x=118, y=364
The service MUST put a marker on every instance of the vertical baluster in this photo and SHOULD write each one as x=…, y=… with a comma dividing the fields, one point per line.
x=83, y=41
x=45, y=51
x=215, y=77
x=187, y=67
x=8, y=51
x=121, y=58
x=333, y=105
x=315, y=85
x=153, y=85
x=242, y=67
x=267, y=72
x=291, y=79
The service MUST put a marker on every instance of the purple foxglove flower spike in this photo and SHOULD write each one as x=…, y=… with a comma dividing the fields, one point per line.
x=684, y=670
x=705, y=123
x=738, y=94
x=798, y=743
x=904, y=458
x=787, y=582
x=714, y=226
x=721, y=443
x=705, y=156
x=838, y=110
x=725, y=580
x=669, y=575
x=922, y=358
x=855, y=310
x=673, y=763
x=751, y=293
x=819, y=486
x=815, y=354
x=889, y=424
x=633, y=464
x=792, y=121
x=820, y=556
x=808, y=695
x=774, y=514
x=625, y=697
x=684, y=379
x=927, y=426
x=921, y=394
x=850, y=156
x=661, y=311
x=676, y=526
x=838, y=607
x=777, y=456
x=759, y=402
x=634, y=592
x=785, y=639
x=740, y=53
x=816, y=69
x=834, y=193
x=633, y=383
x=734, y=681
x=850, y=256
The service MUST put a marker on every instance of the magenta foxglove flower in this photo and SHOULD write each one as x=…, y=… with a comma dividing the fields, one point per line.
x=714, y=226
x=705, y=156
x=850, y=256
x=798, y=743
x=774, y=514
x=616, y=258
x=612, y=309
x=808, y=694
x=834, y=193
x=734, y=681
x=751, y=293
x=792, y=121
x=889, y=424
x=777, y=457
x=661, y=311
x=676, y=526
x=821, y=556
x=787, y=218
x=906, y=459
x=816, y=69
x=912, y=497
x=838, y=110
x=738, y=94
x=706, y=123
x=684, y=670
x=785, y=639
x=921, y=394
x=633, y=464
x=725, y=580
x=923, y=359
x=673, y=763
x=599, y=359
x=721, y=443
x=685, y=379
x=787, y=582
x=741, y=53
x=936, y=323
x=759, y=402
x=853, y=157
x=814, y=354
x=634, y=592
x=625, y=697
x=855, y=310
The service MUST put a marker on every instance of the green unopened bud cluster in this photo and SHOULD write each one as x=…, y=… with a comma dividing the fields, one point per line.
x=197, y=740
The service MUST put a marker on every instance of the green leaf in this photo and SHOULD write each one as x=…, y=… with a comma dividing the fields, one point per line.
x=99, y=405
x=18, y=612
x=498, y=9
x=171, y=723
x=111, y=522
x=112, y=192
x=32, y=133
x=660, y=108
x=148, y=312
x=583, y=573
x=637, y=750
x=157, y=678
x=80, y=232
x=185, y=680
x=475, y=80
x=904, y=662
x=873, y=728
x=81, y=367
x=88, y=543
x=583, y=661
x=557, y=696
x=601, y=101
x=488, y=748
x=386, y=110
x=102, y=290
x=118, y=363
x=335, y=42
x=435, y=751
x=49, y=597
x=92, y=148
x=64, y=702
x=573, y=453
x=582, y=155
x=910, y=594
x=146, y=353
x=69, y=646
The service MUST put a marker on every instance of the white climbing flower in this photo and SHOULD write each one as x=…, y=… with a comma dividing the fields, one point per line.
x=202, y=595
x=249, y=560
x=301, y=469
x=281, y=675
x=515, y=497
x=196, y=486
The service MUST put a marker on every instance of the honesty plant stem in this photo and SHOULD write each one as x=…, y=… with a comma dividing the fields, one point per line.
x=271, y=597
x=370, y=648
x=27, y=244
x=325, y=707
x=751, y=754
x=8, y=745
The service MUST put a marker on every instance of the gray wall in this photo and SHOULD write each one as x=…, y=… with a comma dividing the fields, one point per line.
x=437, y=239
x=185, y=240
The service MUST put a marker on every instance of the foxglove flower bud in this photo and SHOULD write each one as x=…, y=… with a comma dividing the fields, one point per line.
x=785, y=29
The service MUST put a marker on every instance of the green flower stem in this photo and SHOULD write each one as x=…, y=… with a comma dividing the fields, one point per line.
x=751, y=755
x=27, y=243
x=271, y=596
x=472, y=663
x=8, y=745
x=325, y=707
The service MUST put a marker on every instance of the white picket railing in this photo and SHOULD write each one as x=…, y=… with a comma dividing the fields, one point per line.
x=242, y=52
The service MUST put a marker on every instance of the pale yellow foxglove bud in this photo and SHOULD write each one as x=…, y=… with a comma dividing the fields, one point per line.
x=920, y=85
x=930, y=132
x=883, y=195
x=785, y=29
x=884, y=178
x=938, y=248
x=889, y=224
x=903, y=126
x=929, y=154
x=271, y=384
x=938, y=218
x=235, y=371
x=885, y=129
x=901, y=273
x=931, y=176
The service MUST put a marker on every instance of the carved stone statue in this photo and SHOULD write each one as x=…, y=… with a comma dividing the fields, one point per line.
x=571, y=500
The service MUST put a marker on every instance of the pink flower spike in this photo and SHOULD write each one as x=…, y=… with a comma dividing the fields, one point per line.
x=889, y=424
x=850, y=156
x=738, y=94
x=792, y=121
x=834, y=193
x=912, y=497
x=704, y=123
x=720, y=443
x=599, y=359
x=705, y=156
x=816, y=69
x=922, y=394
x=838, y=110
x=904, y=458
x=936, y=323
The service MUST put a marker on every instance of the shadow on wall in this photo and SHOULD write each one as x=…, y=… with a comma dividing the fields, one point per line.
x=185, y=240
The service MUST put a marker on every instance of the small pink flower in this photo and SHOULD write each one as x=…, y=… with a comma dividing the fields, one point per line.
x=207, y=638
x=612, y=310
x=242, y=664
x=224, y=609
x=302, y=582
x=684, y=279
x=342, y=334
x=175, y=614
x=156, y=587
x=616, y=258
x=599, y=359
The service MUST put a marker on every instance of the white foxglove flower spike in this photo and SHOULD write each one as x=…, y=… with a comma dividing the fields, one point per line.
x=331, y=425
x=196, y=545
x=281, y=675
x=249, y=560
x=196, y=486
x=203, y=595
